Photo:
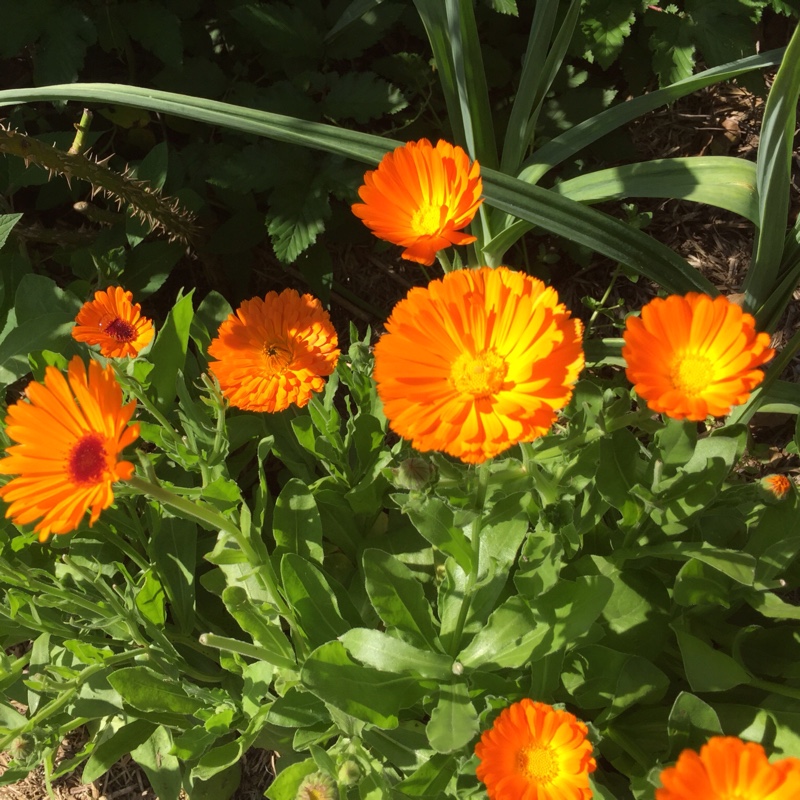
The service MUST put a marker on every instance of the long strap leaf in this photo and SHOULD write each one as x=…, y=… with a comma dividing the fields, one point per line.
x=585, y=133
x=774, y=172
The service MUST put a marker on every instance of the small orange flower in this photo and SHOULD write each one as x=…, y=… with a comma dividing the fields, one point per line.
x=420, y=197
x=694, y=356
x=775, y=487
x=114, y=322
x=535, y=752
x=275, y=352
x=728, y=768
x=476, y=362
x=69, y=437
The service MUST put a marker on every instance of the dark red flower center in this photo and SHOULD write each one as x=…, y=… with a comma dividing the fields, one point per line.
x=120, y=330
x=87, y=459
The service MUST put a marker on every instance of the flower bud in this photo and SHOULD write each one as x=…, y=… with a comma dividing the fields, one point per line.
x=414, y=473
x=349, y=773
x=317, y=786
x=774, y=488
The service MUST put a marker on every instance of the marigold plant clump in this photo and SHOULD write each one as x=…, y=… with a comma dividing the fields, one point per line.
x=420, y=197
x=727, y=768
x=535, y=751
x=112, y=321
x=693, y=356
x=274, y=352
x=69, y=435
x=476, y=362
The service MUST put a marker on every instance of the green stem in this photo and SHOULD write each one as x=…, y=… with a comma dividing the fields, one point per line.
x=444, y=260
x=546, y=487
x=614, y=275
x=776, y=688
x=477, y=525
x=206, y=516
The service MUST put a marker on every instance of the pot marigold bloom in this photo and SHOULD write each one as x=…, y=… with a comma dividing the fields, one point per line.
x=476, y=362
x=275, y=352
x=775, y=487
x=69, y=436
x=693, y=356
x=729, y=769
x=114, y=322
x=535, y=752
x=420, y=197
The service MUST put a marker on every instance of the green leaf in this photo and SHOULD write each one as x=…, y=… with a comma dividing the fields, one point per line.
x=707, y=669
x=296, y=524
x=620, y=469
x=62, y=46
x=288, y=780
x=692, y=722
x=508, y=639
x=361, y=96
x=431, y=778
x=172, y=551
x=606, y=24
x=119, y=744
x=297, y=709
x=7, y=223
x=147, y=690
x=386, y=653
x=362, y=692
x=599, y=677
x=672, y=47
x=435, y=521
x=398, y=598
x=774, y=175
x=285, y=30
x=719, y=181
x=155, y=27
x=162, y=769
x=256, y=621
x=312, y=599
x=150, y=599
x=297, y=215
x=721, y=29
x=454, y=721
x=168, y=354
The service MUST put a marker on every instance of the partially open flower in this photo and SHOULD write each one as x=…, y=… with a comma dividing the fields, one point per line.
x=113, y=322
x=535, y=751
x=317, y=786
x=693, y=356
x=69, y=435
x=476, y=362
x=728, y=768
x=775, y=488
x=274, y=352
x=420, y=197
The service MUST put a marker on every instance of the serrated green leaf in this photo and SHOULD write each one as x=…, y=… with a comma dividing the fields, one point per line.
x=155, y=27
x=606, y=24
x=672, y=47
x=67, y=34
x=297, y=216
x=505, y=7
x=361, y=96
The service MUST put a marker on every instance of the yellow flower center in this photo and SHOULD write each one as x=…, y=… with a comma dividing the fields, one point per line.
x=120, y=330
x=691, y=373
x=278, y=357
x=425, y=221
x=86, y=462
x=481, y=375
x=538, y=764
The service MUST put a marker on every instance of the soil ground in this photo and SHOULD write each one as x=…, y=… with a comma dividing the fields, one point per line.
x=716, y=121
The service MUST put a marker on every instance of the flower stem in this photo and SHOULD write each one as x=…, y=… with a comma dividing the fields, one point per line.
x=444, y=260
x=202, y=513
x=472, y=578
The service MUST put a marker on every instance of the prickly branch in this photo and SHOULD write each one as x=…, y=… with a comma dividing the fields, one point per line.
x=144, y=201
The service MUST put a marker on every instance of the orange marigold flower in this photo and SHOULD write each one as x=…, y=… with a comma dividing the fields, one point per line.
x=275, y=352
x=694, y=356
x=476, y=362
x=69, y=437
x=114, y=322
x=727, y=768
x=420, y=197
x=535, y=752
